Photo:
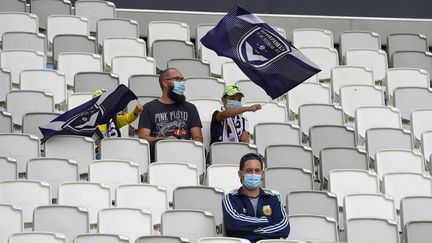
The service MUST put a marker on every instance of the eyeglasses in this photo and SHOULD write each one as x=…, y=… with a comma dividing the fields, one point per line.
x=178, y=79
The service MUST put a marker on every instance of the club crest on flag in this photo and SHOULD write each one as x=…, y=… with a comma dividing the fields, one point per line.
x=86, y=120
x=260, y=47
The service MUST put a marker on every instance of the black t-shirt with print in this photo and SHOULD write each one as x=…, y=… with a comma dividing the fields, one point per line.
x=166, y=120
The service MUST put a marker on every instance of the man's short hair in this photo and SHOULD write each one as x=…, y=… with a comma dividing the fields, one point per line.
x=164, y=74
x=251, y=156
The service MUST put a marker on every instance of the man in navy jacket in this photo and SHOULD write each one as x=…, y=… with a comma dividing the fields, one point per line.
x=250, y=212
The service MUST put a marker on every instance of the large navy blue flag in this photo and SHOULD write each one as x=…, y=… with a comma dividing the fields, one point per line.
x=84, y=119
x=260, y=52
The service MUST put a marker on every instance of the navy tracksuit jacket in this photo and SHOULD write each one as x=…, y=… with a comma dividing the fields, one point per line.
x=270, y=221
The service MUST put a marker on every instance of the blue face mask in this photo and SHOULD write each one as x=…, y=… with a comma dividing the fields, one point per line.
x=251, y=181
x=233, y=104
x=179, y=87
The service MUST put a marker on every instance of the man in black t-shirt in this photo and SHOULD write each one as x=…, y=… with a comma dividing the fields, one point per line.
x=170, y=116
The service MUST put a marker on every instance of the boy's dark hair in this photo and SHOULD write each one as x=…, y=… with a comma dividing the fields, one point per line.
x=251, y=156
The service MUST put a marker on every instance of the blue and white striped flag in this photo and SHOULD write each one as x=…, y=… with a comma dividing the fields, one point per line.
x=84, y=119
x=260, y=52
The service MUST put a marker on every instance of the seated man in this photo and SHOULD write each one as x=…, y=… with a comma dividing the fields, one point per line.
x=170, y=116
x=228, y=124
x=250, y=212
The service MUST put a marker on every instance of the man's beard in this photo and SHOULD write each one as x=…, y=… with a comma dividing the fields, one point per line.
x=176, y=97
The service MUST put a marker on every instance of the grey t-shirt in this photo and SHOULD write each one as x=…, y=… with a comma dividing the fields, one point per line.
x=254, y=201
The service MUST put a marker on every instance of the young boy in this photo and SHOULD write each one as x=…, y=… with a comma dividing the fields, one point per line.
x=228, y=124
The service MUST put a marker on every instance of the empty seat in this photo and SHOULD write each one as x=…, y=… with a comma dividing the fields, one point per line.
x=37, y=101
x=349, y=75
x=37, y=237
x=318, y=114
x=192, y=224
x=284, y=155
x=269, y=133
x=207, y=54
x=91, y=81
x=308, y=37
x=400, y=185
x=413, y=59
x=5, y=84
x=304, y=202
x=165, y=50
x=375, y=117
x=67, y=220
x=405, y=77
x=341, y=158
x=94, y=10
x=165, y=174
x=167, y=30
x=71, y=63
x=343, y=182
x=408, y=99
x=426, y=142
x=420, y=122
x=406, y=42
x=285, y=180
x=145, y=85
x=78, y=148
x=139, y=195
x=206, y=107
x=201, y=198
x=9, y=169
x=186, y=151
x=73, y=43
x=132, y=149
x=325, y=58
x=320, y=228
x=369, y=206
x=223, y=176
x=33, y=120
x=415, y=208
x=231, y=73
x=79, y=98
x=127, y=66
x=116, y=27
x=204, y=87
x=100, y=237
x=52, y=81
x=252, y=91
x=90, y=195
x=272, y=112
x=190, y=67
x=16, y=21
x=32, y=194
x=122, y=46
x=230, y=152
x=379, y=230
x=132, y=222
x=52, y=171
x=6, y=124
x=114, y=173
x=371, y=58
x=162, y=239
x=45, y=8
x=11, y=221
x=324, y=136
x=388, y=161
x=386, y=138
x=417, y=231
x=358, y=39
x=12, y=145
x=13, y=5
x=66, y=24
x=307, y=93
x=355, y=96
x=19, y=60
x=25, y=41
